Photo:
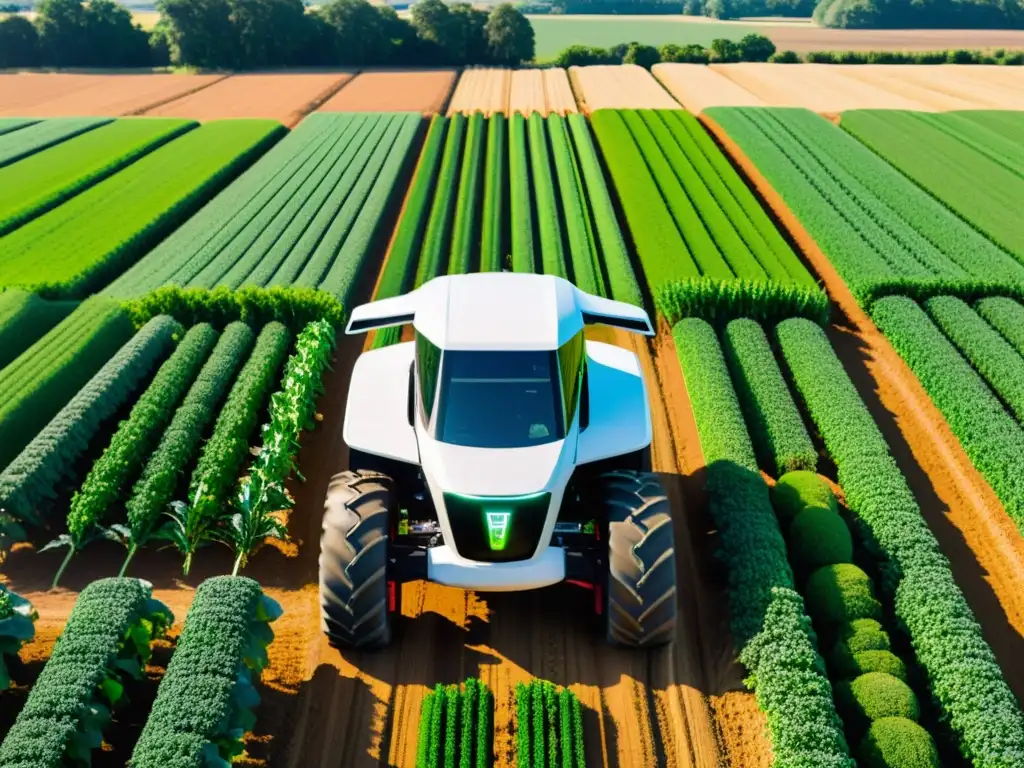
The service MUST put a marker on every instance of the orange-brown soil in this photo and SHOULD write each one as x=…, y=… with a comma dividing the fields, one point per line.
x=984, y=548
x=805, y=38
x=55, y=95
x=285, y=97
x=625, y=86
x=425, y=90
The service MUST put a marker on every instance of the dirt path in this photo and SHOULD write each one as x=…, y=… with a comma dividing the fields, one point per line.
x=985, y=550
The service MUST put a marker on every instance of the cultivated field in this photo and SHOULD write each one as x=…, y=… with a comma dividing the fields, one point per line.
x=834, y=388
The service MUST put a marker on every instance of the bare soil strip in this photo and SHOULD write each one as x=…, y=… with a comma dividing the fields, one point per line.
x=56, y=95
x=624, y=86
x=984, y=548
x=698, y=87
x=284, y=97
x=425, y=90
x=558, y=92
x=482, y=89
x=806, y=38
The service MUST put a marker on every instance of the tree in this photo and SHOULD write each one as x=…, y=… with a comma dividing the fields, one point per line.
x=509, y=36
x=755, y=48
x=723, y=50
x=19, y=42
x=112, y=39
x=433, y=23
x=62, y=34
x=362, y=31
x=645, y=56
x=270, y=33
x=468, y=39
x=199, y=32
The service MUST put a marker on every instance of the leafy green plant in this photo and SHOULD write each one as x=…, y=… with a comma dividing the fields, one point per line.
x=224, y=454
x=17, y=626
x=896, y=742
x=33, y=478
x=549, y=726
x=154, y=490
x=204, y=705
x=119, y=464
x=455, y=727
x=1006, y=316
x=105, y=643
x=799, y=489
x=974, y=698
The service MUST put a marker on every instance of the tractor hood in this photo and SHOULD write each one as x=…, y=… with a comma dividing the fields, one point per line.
x=491, y=471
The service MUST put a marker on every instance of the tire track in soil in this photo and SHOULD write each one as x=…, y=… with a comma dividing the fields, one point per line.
x=985, y=550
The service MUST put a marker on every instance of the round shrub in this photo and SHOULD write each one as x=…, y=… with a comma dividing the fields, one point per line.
x=873, y=696
x=836, y=594
x=818, y=536
x=857, y=636
x=896, y=742
x=797, y=490
x=875, y=661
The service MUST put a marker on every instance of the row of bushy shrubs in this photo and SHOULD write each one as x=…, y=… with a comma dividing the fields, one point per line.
x=877, y=706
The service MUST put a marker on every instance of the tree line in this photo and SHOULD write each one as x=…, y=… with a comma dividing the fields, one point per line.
x=251, y=34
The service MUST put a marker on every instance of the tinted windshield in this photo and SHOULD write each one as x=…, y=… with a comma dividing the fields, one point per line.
x=499, y=399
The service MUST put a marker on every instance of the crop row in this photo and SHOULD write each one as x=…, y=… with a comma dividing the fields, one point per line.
x=990, y=436
x=17, y=627
x=105, y=643
x=980, y=174
x=307, y=215
x=38, y=183
x=455, y=727
x=24, y=319
x=44, y=377
x=526, y=194
x=549, y=727
x=79, y=246
x=963, y=676
x=10, y=124
x=37, y=136
x=883, y=234
x=769, y=625
x=698, y=231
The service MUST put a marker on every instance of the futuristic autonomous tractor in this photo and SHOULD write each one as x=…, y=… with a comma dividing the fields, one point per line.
x=498, y=451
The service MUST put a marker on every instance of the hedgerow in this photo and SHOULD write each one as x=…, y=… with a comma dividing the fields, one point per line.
x=33, y=479
x=154, y=490
x=205, y=702
x=586, y=270
x=772, y=633
x=520, y=198
x=990, y=354
x=41, y=182
x=780, y=437
x=17, y=627
x=465, y=230
x=492, y=240
x=1006, y=316
x=455, y=726
x=438, y=232
x=989, y=435
x=400, y=265
x=622, y=282
x=24, y=319
x=961, y=670
x=549, y=726
x=105, y=643
x=38, y=135
x=42, y=379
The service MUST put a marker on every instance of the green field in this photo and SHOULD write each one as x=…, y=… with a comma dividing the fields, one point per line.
x=555, y=33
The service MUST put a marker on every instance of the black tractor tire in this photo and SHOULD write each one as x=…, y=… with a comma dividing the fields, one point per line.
x=640, y=607
x=354, y=559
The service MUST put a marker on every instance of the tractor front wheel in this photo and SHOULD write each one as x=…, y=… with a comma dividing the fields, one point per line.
x=641, y=587
x=354, y=558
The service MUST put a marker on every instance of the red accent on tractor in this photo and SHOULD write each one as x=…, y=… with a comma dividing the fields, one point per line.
x=579, y=583
x=598, y=600
x=392, y=596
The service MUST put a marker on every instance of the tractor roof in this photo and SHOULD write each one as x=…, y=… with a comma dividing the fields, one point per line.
x=498, y=311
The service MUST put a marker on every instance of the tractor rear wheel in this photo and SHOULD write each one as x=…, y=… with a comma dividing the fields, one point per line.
x=641, y=591
x=354, y=558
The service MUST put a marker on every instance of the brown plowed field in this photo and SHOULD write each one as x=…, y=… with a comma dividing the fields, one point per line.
x=284, y=97
x=807, y=37
x=481, y=89
x=55, y=95
x=698, y=87
x=984, y=548
x=541, y=90
x=423, y=90
x=625, y=86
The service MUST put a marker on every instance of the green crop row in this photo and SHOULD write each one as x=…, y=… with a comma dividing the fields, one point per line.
x=778, y=432
x=579, y=230
x=989, y=435
x=17, y=627
x=155, y=489
x=549, y=726
x=883, y=234
x=455, y=727
x=105, y=642
x=43, y=378
x=24, y=319
x=492, y=236
x=33, y=478
x=439, y=223
x=983, y=190
x=10, y=124
x=1007, y=317
x=41, y=182
x=769, y=625
x=520, y=197
x=205, y=701
x=224, y=455
x=81, y=245
x=119, y=465
x=962, y=673
x=465, y=230
x=549, y=231
x=37, y=136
